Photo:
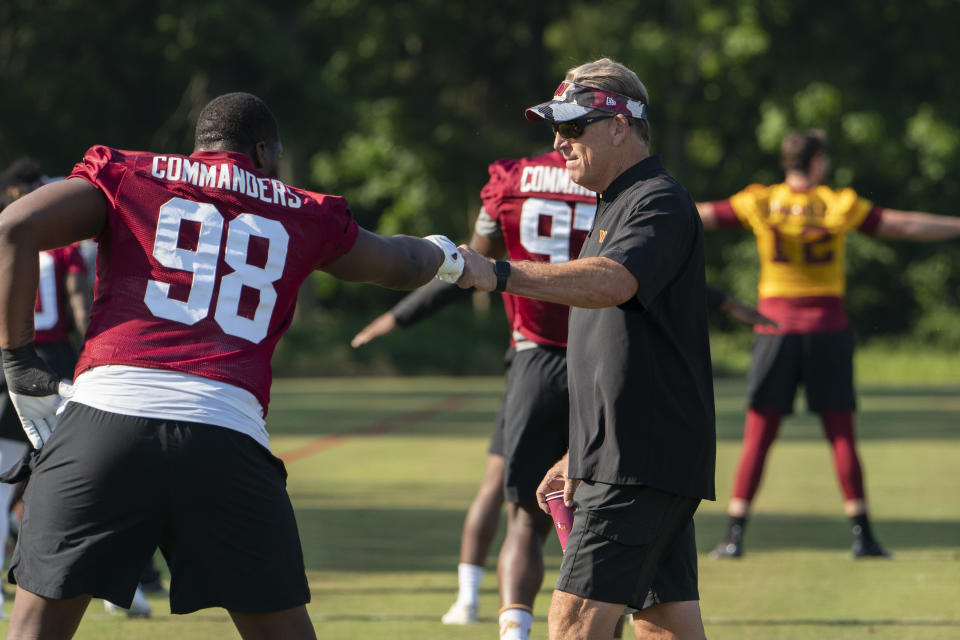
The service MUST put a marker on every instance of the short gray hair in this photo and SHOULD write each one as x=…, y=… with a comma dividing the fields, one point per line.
x=610, y=75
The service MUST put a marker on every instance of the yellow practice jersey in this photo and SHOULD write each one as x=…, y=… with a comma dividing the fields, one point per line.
x=800, y=235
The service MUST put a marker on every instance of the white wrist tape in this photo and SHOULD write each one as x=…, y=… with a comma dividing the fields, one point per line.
x=452, y=267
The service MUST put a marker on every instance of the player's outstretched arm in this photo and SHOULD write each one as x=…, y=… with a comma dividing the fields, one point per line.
x=397, y=262
x=745, y=313
x=917, y=225
x=717, y=299
x=426, y=300
x=708, y=215
x=381, y=326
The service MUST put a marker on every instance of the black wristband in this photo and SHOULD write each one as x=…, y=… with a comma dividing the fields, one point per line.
x=27, y=373
x=501, y=268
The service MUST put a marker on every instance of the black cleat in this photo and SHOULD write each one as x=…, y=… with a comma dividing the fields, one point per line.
x=727, y=549
x=869, y=549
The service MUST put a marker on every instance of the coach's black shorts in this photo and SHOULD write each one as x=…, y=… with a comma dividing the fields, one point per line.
x=631, y=545
x=532, y=428
x=822, y=362
x=109, y=489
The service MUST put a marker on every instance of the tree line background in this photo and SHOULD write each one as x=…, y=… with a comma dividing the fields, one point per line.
x=400, y=107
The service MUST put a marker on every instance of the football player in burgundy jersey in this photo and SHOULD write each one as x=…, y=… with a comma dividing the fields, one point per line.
x=163, y=440
x=801, y=226
x=531, y=211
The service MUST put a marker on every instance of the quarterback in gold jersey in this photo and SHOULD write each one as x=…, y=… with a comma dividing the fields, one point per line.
x=801, y=226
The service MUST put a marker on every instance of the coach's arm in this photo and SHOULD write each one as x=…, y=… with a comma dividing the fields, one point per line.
x=590, y=283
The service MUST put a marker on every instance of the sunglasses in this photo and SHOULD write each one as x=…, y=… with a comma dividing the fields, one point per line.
x=574, y=128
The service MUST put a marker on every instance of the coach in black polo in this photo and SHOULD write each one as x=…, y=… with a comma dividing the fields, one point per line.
x=642, y=434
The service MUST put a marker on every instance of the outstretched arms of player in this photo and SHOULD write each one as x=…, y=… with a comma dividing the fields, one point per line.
x=396, y=262
x=426, y=300
x=708, y=215
x=717, y=299
x=917, y=225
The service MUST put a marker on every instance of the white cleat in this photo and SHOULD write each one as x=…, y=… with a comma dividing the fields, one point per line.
x=460, y=613
x=139, y=608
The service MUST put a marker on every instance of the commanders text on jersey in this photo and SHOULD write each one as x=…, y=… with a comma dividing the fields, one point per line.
x=550, y=180
x=224, y=176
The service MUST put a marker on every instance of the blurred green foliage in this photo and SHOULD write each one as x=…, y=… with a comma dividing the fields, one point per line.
x=400, y=106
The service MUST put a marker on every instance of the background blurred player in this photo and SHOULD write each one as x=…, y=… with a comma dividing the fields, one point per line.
x=800, y=227
x=531, y=211
x=200, y=261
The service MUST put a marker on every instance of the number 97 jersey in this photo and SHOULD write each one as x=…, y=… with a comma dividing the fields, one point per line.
x=544, y=217
x=200, y=262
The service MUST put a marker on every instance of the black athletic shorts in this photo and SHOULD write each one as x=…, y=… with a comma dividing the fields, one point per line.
x=109, y=489
x=822, y=362
x=631, y=545
x=532, y=428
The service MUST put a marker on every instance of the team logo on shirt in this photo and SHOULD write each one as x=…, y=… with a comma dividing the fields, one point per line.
x=602, y=236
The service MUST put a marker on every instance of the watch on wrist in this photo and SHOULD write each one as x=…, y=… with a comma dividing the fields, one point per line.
x=501, y=268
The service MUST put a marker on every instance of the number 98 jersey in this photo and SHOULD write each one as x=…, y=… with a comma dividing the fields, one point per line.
x=200, y=262
x=544, y=217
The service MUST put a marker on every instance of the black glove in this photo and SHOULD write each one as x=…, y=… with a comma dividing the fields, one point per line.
x=35, y=390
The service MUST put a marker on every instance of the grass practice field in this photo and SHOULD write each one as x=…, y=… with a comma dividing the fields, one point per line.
x=382, y=470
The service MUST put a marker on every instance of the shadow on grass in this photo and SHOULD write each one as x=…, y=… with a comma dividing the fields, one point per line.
x=390, y=540
x=383, y=539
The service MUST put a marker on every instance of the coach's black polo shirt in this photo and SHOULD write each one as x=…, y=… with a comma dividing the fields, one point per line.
x=641, y=390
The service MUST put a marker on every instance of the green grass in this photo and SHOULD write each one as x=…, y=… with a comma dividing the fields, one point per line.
x=380, y=512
